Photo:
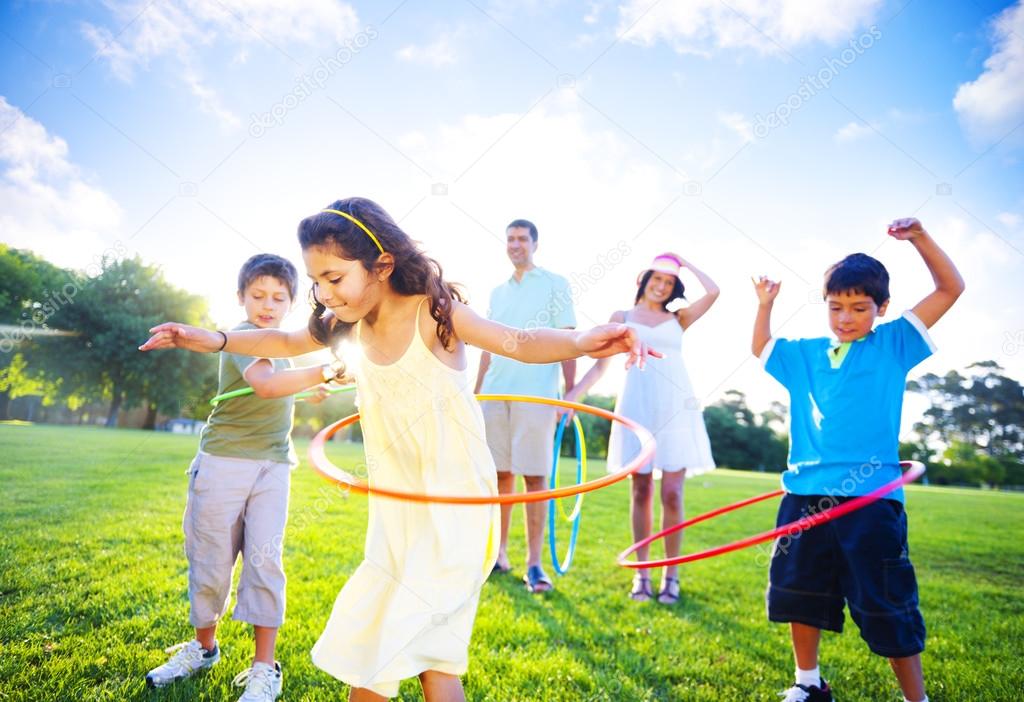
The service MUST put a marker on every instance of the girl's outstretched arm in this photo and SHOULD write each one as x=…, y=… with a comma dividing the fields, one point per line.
x=265, y=343
x=545, y=345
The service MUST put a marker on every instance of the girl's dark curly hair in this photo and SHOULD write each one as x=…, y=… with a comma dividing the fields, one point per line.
x=414, y=272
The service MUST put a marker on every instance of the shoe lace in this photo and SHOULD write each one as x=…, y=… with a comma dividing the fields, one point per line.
x=794, y=694
x=184, y=653
x=255, y=680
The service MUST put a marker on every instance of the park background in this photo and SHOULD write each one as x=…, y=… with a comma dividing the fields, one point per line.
x=148, y=148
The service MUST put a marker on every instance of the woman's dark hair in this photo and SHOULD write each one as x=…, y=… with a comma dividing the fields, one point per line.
x=677, y=290
x=414, y=272
x=858, y=273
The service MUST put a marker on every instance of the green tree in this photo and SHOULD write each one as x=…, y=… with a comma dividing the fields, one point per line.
x=741, y=439
x=112, y=314
x=984, y=408
x=979, y=418
x=29, y=295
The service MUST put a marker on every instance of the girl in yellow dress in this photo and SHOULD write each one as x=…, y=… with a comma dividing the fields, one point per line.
x=408, y=609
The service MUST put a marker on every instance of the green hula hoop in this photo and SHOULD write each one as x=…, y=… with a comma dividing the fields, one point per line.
x=581, y=473
x=298, y=396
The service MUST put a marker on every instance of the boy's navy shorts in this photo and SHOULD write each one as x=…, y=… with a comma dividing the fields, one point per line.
x=860, y=559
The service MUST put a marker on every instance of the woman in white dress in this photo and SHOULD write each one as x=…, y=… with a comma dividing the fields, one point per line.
x=661, y=399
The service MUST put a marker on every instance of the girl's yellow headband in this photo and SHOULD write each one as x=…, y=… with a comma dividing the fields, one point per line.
x=358, y=224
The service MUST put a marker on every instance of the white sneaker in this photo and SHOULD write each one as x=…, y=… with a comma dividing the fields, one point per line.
x=262, y=682
x=188, y=658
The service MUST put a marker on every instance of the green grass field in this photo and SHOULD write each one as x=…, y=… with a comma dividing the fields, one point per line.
x=93, y=578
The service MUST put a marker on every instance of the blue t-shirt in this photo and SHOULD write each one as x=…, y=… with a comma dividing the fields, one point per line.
x=540, y=299
x=845, y=421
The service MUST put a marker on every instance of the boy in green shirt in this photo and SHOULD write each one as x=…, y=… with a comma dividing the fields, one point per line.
x=238, y=492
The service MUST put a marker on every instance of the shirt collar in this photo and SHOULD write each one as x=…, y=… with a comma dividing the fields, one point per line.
x=535, y=271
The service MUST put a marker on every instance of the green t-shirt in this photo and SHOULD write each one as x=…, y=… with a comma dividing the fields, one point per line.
x=249, y=426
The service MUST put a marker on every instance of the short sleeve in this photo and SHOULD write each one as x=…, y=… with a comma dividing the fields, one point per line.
x=906, y=339
x=241, y=362
x=779, y=358
x=564, y=316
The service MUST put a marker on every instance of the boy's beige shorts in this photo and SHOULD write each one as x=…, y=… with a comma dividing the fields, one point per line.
x=236, y=505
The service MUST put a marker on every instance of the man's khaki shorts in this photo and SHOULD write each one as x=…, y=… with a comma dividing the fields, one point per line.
x=520, y=436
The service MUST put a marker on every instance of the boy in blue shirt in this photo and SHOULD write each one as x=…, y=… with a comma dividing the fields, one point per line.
x=846, y=396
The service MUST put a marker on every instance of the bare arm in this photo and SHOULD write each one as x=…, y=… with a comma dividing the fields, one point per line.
x=948, y=283
x=569, y=374
x=767, y=291
x=697, y=309
x=596, y=372
x=548, y=345
x=266, y=343
x=269, y=383
x=485, y=363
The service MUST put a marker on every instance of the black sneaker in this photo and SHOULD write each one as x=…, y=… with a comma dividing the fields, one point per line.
x=808, y=693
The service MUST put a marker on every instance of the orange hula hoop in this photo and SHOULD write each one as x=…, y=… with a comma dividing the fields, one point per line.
x=323, y=465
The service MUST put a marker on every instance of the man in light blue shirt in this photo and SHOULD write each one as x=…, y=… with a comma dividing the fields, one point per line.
x=520, y=434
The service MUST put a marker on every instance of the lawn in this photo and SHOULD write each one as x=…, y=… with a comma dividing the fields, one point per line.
x=92, y=588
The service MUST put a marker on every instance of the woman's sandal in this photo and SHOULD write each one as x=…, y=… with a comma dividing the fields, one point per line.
x=669, y=591
x=641, y=591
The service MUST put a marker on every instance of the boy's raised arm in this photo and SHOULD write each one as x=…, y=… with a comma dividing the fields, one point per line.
x=767, y=290
x=948, y=283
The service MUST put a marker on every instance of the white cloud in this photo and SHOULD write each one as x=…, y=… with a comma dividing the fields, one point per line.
x=179, y=29
x=589, y=188
x=594, y=13
x=46, y=205
x=1009, y=219
x=852, y=131
x=691, y=25
x=739, y=124
x=438, y=53
x=993, y=103
x=209, y=100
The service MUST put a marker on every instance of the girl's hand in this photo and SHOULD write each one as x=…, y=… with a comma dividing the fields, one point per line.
x=610, y=339
x=906, y=229
x=767, y=290
x=171, y=335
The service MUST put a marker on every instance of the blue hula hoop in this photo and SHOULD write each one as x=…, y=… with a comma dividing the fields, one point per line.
x=563, y=567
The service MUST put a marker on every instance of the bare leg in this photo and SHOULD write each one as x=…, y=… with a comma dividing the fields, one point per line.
x=642, y=514
x=506, y=486
x=911, y=677
x=536, y=513
x=361, y=694
x=672, y=514
x=265, y=637
x=207, y=637
x=805, y=645
x=441, y=687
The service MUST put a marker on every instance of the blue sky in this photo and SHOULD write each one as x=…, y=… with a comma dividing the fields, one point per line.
x=635, y=127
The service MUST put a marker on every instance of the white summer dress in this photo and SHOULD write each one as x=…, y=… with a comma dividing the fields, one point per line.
x=661, y=399
x=409, y=606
